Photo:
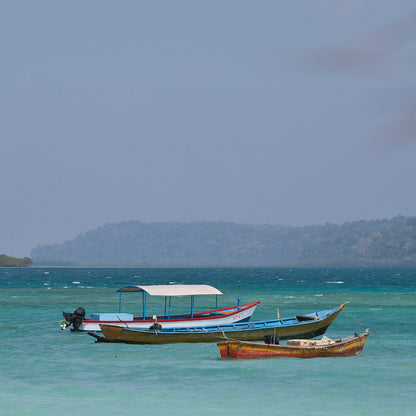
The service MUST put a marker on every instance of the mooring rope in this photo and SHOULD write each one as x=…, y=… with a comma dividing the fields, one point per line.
x=115, y=355
x=370, y=336
x=31, y=323
x=385, y=346
x=402, y=366
x=31, y=338
x=356, y=320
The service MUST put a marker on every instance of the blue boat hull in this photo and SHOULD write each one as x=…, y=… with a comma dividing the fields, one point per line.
x=286, y=328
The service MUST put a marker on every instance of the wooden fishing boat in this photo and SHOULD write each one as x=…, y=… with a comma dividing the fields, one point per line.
x=308, y=326
x=326, y=347
x=238, y=313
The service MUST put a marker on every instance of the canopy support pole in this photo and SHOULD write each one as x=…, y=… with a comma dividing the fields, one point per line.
x=119, y=303
x=192, y=305
x=170, y=301
x=144, y=305
x=216, y=304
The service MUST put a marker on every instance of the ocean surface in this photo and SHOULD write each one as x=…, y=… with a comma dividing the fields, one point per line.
x=46, y=371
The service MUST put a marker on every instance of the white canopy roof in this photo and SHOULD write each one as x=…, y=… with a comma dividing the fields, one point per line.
x=173, y=290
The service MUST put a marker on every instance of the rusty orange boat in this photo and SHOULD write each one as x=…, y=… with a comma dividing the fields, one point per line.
x=296, y=348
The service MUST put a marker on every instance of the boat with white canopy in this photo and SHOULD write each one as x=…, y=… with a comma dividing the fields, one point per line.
x=238, y=313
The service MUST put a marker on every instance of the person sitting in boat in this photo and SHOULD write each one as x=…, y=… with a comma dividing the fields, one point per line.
x=156, y=326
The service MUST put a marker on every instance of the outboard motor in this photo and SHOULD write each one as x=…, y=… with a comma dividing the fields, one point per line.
x=74, y=318
x=271, y=339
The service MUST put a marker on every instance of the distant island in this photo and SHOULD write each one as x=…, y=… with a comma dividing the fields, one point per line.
x=386, y=242
x=6, y=261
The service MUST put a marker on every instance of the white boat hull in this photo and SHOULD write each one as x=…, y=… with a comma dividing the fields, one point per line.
x=241, y=314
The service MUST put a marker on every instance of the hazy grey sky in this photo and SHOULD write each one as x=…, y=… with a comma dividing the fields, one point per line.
x=292, y=113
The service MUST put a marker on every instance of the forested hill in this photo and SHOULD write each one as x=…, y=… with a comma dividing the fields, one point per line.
x=378, y=242
x=6, y=261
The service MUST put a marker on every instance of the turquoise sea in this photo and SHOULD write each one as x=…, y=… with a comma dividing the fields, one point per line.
x=46, y=371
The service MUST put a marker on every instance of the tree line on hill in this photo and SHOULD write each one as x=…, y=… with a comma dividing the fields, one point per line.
x=134, y=243
x=6, y=261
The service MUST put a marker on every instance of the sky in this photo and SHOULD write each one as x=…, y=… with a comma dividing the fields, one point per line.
x=266, y=112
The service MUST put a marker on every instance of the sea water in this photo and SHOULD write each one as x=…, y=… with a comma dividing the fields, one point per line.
x=46, y=371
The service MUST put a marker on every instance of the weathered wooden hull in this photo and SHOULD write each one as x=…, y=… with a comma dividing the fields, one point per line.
x=246, y=350
x=286, y=328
